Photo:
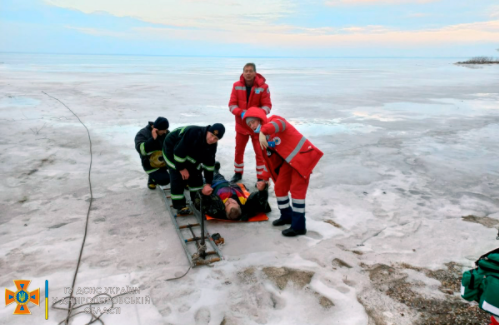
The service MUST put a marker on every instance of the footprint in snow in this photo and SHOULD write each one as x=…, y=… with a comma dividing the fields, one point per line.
x=202, y=316
x=314, y=235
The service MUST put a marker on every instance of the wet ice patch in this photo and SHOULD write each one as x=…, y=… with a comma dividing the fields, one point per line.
x=320, y=127
x=377, y=116
x=110, y=129
x=398, y=111
x=18, y=101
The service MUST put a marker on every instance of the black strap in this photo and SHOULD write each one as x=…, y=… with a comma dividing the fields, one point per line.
x=495, y=251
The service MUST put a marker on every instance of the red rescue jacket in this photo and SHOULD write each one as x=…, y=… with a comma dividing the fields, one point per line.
x=290, y=145
x=259, y=97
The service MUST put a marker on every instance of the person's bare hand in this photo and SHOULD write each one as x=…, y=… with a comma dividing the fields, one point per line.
x=261, y=185
x=263, y=141
x=185, y=174
x=207, y=190
x=154, y=133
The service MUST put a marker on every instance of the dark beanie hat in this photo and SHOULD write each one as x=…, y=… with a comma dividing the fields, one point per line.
x=161, y=123
x=217, y=129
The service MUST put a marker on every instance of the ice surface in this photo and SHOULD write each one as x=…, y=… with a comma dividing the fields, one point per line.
x=410, y=147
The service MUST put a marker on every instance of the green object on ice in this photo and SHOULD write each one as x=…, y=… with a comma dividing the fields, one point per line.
x=482, y=283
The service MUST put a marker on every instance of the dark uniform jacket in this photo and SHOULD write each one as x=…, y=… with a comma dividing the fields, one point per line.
x=186, y=147
x=256, y=203
x=148, y=148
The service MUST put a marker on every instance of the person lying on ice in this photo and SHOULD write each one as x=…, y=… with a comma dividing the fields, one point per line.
x=148, y=143
x=234, y=201
x=187, y=151
x=290, y=159
x=249, y=91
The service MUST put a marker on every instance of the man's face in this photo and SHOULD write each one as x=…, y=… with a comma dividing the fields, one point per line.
x=248, y=73
x=211, y=138
x=161, y=132
x=254, y=124
x=229, y=204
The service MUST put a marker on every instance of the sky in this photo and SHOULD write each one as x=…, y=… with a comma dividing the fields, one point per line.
x=242, y=28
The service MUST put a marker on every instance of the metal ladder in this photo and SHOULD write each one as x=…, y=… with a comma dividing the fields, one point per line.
x=188, y=224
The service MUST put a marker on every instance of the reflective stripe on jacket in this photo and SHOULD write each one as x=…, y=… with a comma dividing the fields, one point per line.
x=186, y=147
x=290, y=145
x=259, y=97
x=146, y=146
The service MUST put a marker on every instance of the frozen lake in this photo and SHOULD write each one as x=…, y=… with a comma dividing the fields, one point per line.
x=410, y=147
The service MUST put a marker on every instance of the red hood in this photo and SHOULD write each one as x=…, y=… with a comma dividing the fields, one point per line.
x=259, y=79
x=256, y=112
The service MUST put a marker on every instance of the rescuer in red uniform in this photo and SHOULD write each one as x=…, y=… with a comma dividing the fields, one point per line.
x=250, y=91
x=290, y=159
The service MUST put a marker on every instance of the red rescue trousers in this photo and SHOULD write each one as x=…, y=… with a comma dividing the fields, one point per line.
x=241, y=141
x=290, y=180
x=494, y=320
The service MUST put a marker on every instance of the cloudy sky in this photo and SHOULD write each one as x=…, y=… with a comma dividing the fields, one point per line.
x=314, y=28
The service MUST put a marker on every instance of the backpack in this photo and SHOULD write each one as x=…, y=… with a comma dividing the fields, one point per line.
x=482, y=283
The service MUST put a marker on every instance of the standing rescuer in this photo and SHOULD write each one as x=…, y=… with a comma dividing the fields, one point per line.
x=290, y=159
x=148, y=143
x=188, y=151
x=250, y=91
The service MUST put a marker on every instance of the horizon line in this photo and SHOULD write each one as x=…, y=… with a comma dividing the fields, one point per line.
x=240, y=57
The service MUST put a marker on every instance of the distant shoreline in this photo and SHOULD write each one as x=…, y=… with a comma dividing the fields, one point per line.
x=480, y=60
x=466, y=62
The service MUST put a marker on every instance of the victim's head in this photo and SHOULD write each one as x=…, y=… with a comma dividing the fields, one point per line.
x=232, y=209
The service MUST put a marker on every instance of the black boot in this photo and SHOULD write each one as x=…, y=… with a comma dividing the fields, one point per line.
x=298, y=226
x=217, y=167
x=285, y=219
x=236, y=178
x=151, y=184
x=281, y=222
x=290, y=232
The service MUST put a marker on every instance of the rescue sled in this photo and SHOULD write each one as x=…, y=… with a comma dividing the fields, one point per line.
x=191, y=229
